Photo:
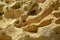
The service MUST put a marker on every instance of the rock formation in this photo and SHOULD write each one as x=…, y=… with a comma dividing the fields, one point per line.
x=29, y=19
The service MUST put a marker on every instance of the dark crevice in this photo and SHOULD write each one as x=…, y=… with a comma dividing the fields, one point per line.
x=0, y=14
x=33, y=12
x=56, y=33
x=17, y=22
x=24, y=21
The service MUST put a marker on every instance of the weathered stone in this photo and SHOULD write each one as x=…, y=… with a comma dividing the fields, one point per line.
x=43, y=24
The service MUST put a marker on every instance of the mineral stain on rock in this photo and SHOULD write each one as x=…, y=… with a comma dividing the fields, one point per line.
x=5, y=37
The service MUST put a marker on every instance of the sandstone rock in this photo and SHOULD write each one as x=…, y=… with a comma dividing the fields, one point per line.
x=43, y=24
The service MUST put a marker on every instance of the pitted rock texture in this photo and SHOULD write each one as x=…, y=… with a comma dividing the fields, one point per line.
x=29, y=19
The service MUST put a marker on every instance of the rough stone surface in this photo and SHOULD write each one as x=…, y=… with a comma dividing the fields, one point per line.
x=29, y=19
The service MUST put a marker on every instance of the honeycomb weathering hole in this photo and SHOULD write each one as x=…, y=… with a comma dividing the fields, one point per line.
x=38, y=18
x=57, y=21
x=16, y=6
x=13, y=14
x=57, y=30
x=57, y=15
x=33, y=9
x=17, y=24
x=55, y=5
x=1, y=17
x=9, y=14
x=0, y=14
x=32, y=29
x=26, y=8
x=46, y=22
x=32, y=12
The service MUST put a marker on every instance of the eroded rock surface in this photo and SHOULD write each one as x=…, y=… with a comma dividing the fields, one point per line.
x=30, y=20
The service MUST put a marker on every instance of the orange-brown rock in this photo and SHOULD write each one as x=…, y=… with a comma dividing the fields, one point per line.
x=57, y=21
x=18, y=23
x=8, y=1
x=55, y=5
x=46, y=22
x=32, y=6
x=57, y=15
x=1, y=8
x=13, y=14
x=39, y=18
x=16, y=5
x=5, y=37
x=57, y=30
x=32, y=29
x=40, y=1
